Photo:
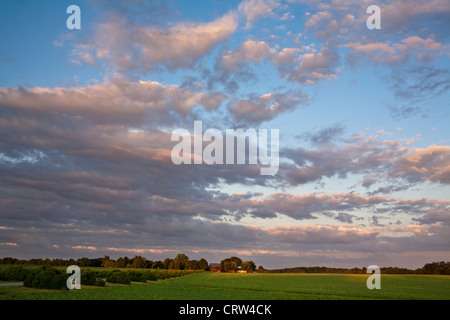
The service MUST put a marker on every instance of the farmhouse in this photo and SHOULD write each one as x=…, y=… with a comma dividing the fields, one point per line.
x=240, y=270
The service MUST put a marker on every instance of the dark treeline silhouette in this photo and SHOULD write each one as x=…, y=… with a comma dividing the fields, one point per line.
x=429, y=268
x=180, y=262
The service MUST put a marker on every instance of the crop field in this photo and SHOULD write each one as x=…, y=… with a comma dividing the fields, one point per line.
x=268, y=286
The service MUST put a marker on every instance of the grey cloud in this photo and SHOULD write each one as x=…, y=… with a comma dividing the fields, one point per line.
x=119, y=101
x=417, y=85
x=386, y=159
x=414, y=15
x=324, y=136
x=345, y=217
x=258, y=109
x=322, y=234
x=389, y=189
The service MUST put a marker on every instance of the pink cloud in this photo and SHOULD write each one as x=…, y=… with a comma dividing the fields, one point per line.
x=90, y=248
x=116, y=99
x=10, y=244
x=138, y=251
x=128, y=47
x=252, y=10
x=431, y=163
x=396, y=52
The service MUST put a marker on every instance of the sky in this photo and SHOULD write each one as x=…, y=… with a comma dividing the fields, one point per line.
x=87, y=116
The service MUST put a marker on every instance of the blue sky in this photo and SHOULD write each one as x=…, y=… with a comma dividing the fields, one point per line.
x=86, y=117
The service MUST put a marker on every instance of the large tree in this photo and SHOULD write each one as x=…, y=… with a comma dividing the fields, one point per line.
x=228, y=265
x=249, y=266
x=237, y=260
x=121, y=263
x=83, y=262
x=202, y=264
x=158, y=265
x=180, y=261
x=139, y=262
x=192, y=265
x=167, y=262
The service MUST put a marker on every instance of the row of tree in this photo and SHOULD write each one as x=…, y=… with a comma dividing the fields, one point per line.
x=50, y=277
x=440, y=267
x=180, y=262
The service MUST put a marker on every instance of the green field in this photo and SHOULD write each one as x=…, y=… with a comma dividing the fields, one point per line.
x=222, y=286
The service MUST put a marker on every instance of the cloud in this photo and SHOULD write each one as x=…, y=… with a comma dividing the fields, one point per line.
x=345, y=217
x=90, y=248
x=131, y=48
x=343, y=207
x=11, y=244
x=253, y=10
x=398, y=17
x=432, y=164
x=266, y=107
x=322, y=234
x=385, y=159
x=248, y=51
x=410, y=16
x=410, y=40
x=420, y=83
x=412, y=47
x=118, y=100
x=232, y=68
x=326, y=24
x=137, y=251
x=324, y=136
x=293, y=64
x=309, y=68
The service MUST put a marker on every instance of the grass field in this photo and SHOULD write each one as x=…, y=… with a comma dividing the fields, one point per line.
x=221, y=286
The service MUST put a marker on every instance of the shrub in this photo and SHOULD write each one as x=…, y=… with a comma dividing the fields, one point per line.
x=161, y=274
x=88, y=277
x=176, y=273
x=136, y=276
x=100, y=283
x=118, y=276
x=46, y=278
x=13, y=273
x=150, y=276
x=27, y=282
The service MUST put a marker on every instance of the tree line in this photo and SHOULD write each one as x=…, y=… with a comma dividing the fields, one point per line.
x=180, y=262
x=437, y=268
